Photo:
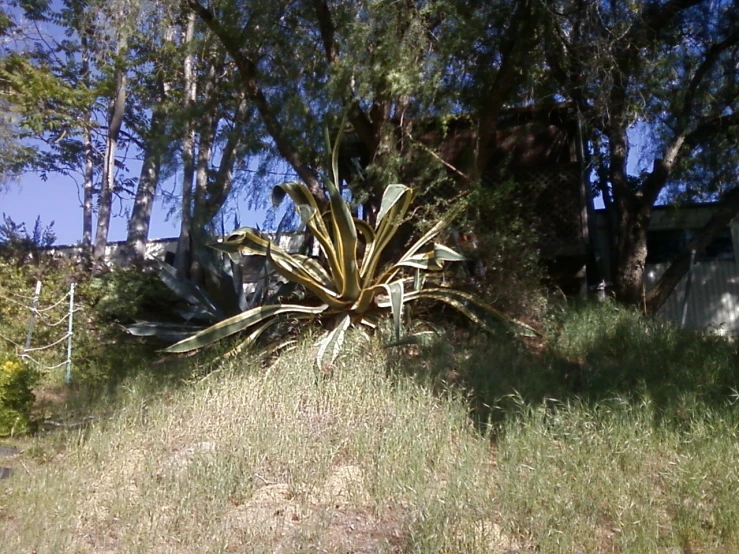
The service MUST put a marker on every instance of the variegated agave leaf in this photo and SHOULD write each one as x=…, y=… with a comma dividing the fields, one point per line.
x=240, y=322
x=330, y=343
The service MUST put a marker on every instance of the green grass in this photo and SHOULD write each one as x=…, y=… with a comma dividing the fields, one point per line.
x=617, y=435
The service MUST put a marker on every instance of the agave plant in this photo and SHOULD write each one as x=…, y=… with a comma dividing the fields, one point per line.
x=220, y=296
x=348, y=285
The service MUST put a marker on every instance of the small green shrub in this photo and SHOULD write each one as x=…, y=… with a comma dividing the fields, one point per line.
x=16, y=396
x=123, y=295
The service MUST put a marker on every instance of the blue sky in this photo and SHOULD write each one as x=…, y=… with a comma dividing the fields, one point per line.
x=58, y=200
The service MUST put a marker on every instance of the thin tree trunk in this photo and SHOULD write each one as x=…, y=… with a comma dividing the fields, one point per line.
x=138, y=225
x=116, y=110
x=205, y=150
x=88, y=184
x=182, y=259
x=220, y=187
x=87, y=191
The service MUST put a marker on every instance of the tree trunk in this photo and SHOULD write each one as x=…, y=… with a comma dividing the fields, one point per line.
x=138, y=225
x=632, y=255
x=89, y=176
x=202, y=171
x=116, y=109
x=87, y=191
x=659, y=294
x=182, y=258
x=220, y=187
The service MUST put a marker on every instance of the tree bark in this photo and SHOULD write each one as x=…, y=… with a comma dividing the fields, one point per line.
x=88, y=174
x=182, y=258
x=138, y=225
x=116, y=109
x=87, y=190
x=206, y=132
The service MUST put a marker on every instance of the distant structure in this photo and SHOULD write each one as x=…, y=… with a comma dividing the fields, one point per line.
x=713, y=298
x=164, y=250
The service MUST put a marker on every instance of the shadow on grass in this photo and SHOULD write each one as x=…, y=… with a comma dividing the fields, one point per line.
x=118, y=367
x=594, y=352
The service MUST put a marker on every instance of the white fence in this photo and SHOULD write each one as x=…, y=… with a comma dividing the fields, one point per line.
x=40, y=316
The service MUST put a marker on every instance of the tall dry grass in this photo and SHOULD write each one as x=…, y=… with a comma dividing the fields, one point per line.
x=582, y=446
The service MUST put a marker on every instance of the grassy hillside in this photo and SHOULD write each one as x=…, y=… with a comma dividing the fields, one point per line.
x=616, y=435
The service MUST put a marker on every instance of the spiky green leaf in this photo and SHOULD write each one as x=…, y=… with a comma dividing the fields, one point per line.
x=238, y=323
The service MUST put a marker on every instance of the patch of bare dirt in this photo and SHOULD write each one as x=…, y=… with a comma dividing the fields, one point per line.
x=334, y=518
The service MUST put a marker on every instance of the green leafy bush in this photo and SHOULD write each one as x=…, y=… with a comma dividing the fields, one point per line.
x=16, y=396
x=124, y=295
x=101, y=351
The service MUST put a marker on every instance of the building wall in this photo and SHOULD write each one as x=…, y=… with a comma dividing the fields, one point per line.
x=115, y=252
x=714, y=292
x=158, y=249
x=713, y=301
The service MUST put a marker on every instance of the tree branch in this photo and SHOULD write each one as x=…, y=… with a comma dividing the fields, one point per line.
x=248, y=72
x=327, y=29
x=708, y=129
x=712, y=56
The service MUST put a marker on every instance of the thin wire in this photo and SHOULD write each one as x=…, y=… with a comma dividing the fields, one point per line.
x=27, y=357
x=36, y=310
x=20, y=295
x=66, y=336
x=45, y=322
x=54, y=305
x=62, y=320
x=11, y=341
x=16, y=302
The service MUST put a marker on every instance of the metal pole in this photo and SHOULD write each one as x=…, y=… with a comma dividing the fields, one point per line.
x=688, y=282
x=32, y=318
x=68, y=373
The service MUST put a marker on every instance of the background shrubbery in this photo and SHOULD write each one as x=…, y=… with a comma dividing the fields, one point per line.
x=101, y=350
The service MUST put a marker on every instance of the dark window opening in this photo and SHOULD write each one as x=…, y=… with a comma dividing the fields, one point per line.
x=664, y=245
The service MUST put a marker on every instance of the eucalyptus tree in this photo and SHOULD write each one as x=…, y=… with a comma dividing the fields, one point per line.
x=155, y=103
x=214, y=135
x=118, y=19
x=663, y=75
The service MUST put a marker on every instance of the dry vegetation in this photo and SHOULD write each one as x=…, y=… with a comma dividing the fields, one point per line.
x=383, y=456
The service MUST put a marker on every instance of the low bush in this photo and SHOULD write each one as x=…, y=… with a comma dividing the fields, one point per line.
x=16, y=395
